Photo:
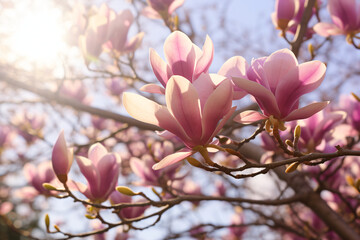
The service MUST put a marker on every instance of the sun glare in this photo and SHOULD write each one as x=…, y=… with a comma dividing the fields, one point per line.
x=38, y=34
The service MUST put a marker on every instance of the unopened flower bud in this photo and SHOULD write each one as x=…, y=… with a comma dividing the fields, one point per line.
x=47, y=222
x=292, y=167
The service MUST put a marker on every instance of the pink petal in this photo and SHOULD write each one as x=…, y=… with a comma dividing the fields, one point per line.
x=304, y=79
x=96, y=152
x=61, y=156
x=134, y=42
x=137, y=166
x=180, y=54
x=345, y=12
x=109, y=168
x=118, y=29
x=183, y=103
x=216, y=107
x=205, y=85
x=306, y=111
x=264, y=97
x=248, y=117
x=285, y=9
x=203, y=63
x=149, y=12
x=173, y=158
x=327, y=29
x=174, y=5
x=235, y=67
x=277, y=65
x=150, y=112
x=221, y=124
x=153, y=88
x=161, y=70
x=89, y=171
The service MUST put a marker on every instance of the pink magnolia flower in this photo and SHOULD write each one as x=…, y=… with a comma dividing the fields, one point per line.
x=129, y=212
x=352, y=107
x=29, y=125
x=284, y=12
x=108, y=30
x=183, y=58
x=277, y=82
x=158, y=9
x=345, y=17
x=288, y=15
x=316, y=131
x=36, y=176
x=101, y=170
x=62, y=158
x=195, y=112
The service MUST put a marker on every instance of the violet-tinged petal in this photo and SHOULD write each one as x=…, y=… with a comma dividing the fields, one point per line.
x=173, y=158
x=108, y=168
x=306, y=111
x=221, y=124
x=180, y=54
x=264, y=97
x=278, y=65
x=153, y=88
x=118, y=29
x=217, y=105
x=89, y=171
x=62, y=158
x=183, y=103
x=304, y=79
x=343, y=13
x=204, y=62
x=248, y=117
x=161, y=70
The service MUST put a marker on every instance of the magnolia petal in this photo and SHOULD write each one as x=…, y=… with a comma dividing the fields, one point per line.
x=216, y=107
x=327, y=29
x=161, y=70
x=235, y=67
x=182, y=101
x=134, y=42
x=277, y=65
x=203, y=63
x=174, y=5
x=264, y=97
x=306, y=111
x=89, y=171
x=150, y=112
x=118, y=30
x=180, y=54
x=205, y=85
x=221, y=124
x=306, y=78
x=153, y=88
x=61, y=157
x=248, y=117
x=138, y=167
x=109, y=168
x=173, y=158
x=96, y=152
x=344, y=13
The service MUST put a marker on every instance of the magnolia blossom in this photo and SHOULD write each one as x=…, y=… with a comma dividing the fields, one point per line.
x=352, y=107
x=194, y=112
x=284, y=13
x=316, y=131
x=129, y=212
x=183, y=58
x=101, y=170
x=36, y=176
x=161, y=8
x=29, y=125
x=345, y=17
x=62, y=158
x=288, y=15
x=277, y=82
x=108, y=30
